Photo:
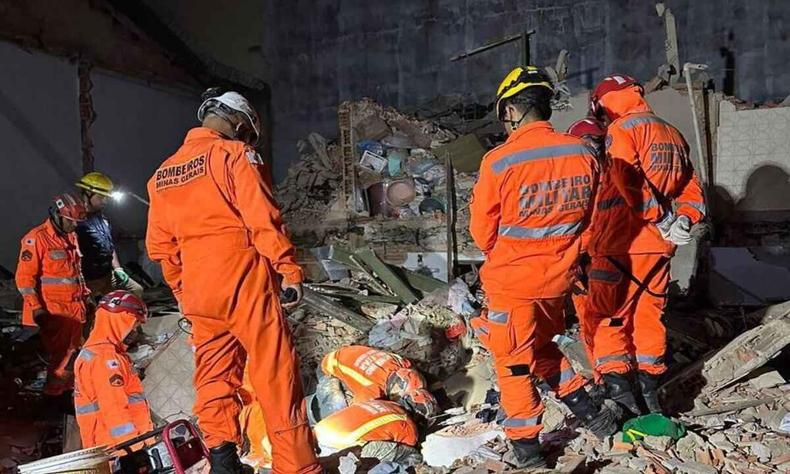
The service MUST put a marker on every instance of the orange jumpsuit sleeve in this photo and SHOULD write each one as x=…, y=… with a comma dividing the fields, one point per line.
x=485, y=209
x=28, y=271
x=629, y=178
x=255, y=202
x=589, y=217
x=691, y=199
x=162, y=244
x=110, y=382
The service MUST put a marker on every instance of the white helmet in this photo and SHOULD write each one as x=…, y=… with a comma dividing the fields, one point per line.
x=230, y=102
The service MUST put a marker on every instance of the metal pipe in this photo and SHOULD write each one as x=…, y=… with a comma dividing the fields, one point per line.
x=703, y=160
x=139, y=198
x=524, y=37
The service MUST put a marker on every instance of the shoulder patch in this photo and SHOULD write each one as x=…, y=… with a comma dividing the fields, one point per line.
x=26, y=256
x=117, y=381
x=113, y=364
x=254, y=157
x=181, y=174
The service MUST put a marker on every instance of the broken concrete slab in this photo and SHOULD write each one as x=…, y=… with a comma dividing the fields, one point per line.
x=168, y=379
x=746, y=353
x=767, y=380
x=442, y=448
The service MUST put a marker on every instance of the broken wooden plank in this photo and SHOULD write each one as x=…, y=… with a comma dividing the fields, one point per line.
x=382, y=271
x=334, y=310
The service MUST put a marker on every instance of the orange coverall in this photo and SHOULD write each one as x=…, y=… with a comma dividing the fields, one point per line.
x=360, y=423
x=648, y=174
x=364, y=371
x=531, y=203
x=48, y=276
x=109, y=402
x=214, y=227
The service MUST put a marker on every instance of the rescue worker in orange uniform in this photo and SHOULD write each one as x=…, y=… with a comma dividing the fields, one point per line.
x=650, y=197
x=49, y=278
x=371, y=374
x=363, y=422
x=216, y=230
x=532, y=201
x=593, y=133
x=109, y=402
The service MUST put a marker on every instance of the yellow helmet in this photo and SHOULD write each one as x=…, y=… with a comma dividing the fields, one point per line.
x=519, y=79
x=97, y=183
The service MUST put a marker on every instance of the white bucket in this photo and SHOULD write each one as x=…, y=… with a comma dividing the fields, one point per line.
x=86, y=461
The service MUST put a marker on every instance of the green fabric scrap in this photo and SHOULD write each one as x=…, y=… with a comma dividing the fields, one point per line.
x=654, y=424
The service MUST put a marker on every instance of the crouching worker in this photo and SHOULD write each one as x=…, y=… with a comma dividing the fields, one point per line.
x=374, y=374
x=365, y=422
x=108, y=397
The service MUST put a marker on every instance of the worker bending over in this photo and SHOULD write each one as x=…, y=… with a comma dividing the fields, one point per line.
x=216, y=230
x=100, y=265
x=49, y=279
x=593, y=133
x=109, y=402
x=532, y=201
x=649, y=199
x=374, y=374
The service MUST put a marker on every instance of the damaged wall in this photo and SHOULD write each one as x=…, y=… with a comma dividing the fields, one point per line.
x=40, y=132
x=137, y=126
x=325, y=52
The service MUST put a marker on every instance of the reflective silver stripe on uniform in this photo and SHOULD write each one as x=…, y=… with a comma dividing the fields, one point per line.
x=57, y=254
x=27, y=291
x=59, y=280
x=700, y=206
x=498, y=316
x=610, y=203
x=480, y=331
x=136, y=398
x=648, y=359
x=611, y=276
x=122, y=430
x=86, y=354
x=85, y=409
x=559, y=230
x=543, y=153
x=633, y=122
x=651, y=203
x=519, y=422
x=560, y=378
x=610, y=358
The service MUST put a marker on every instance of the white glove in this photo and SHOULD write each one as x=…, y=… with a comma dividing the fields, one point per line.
x=665, y=225
x=680, y=232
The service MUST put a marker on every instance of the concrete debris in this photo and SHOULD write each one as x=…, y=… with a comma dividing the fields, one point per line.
x=450, y=444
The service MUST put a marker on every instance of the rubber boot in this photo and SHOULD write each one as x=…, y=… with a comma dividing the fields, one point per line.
x=649, y=385
x=526, y=454
x=224, y=459
x=619, y=389
x=597, y=418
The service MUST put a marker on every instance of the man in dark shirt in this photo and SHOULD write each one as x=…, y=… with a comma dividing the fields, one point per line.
x=100, y=266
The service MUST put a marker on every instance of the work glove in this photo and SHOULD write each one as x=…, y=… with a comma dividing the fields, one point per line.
x=291, y=295
x=665, y=224
x=680, y=232
x=121, y=275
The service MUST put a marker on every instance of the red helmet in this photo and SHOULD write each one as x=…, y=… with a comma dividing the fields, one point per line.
x=420, y=401
x=615, y=82
x=69, y=207
x=120, y=301
x=588, y=126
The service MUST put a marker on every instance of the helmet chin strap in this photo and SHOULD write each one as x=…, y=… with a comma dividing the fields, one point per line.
x=514, y=124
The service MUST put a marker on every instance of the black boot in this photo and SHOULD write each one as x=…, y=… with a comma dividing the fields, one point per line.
x=597, y=418
x=649, y=384
x=225, y=460
x=526, y=454
x=619, y=389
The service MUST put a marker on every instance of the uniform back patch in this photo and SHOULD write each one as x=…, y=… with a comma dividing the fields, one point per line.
x=116, y=380
x=179, y=175
x=26, y=256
